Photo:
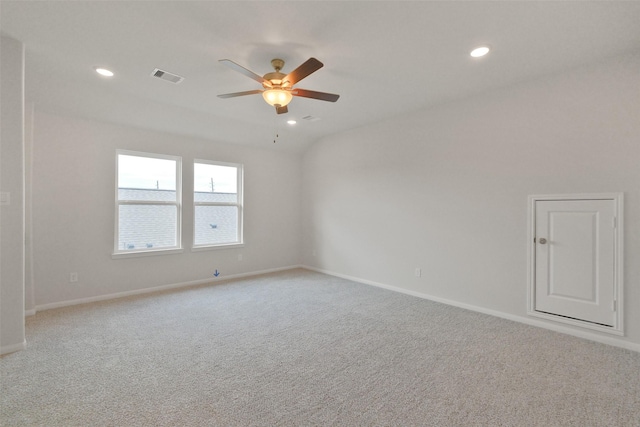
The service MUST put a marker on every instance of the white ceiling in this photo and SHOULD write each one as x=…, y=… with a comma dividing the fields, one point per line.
x=385, y=58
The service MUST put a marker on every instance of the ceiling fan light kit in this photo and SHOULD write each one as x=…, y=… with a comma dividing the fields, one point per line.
x=279, y=97
x=278, y=87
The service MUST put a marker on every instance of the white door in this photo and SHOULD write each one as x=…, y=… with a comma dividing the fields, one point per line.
x=575, y=265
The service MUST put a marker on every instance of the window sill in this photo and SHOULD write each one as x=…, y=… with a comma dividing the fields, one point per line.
x=216, y=247
x=137, y=254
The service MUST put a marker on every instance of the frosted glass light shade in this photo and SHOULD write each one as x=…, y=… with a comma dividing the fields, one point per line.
x=277, y=97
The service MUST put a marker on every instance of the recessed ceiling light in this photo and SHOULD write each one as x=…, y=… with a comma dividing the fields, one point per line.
x=291, y=122
x=104, y=72
x=480, y=51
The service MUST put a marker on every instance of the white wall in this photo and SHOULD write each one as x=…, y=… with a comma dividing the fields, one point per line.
x=446, y=189
x=12, y=182
x=29, y=291
x=73, y=193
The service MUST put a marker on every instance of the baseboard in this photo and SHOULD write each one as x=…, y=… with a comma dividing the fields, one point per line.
x=532, y=322
x=30, y=312
x=13, y=348
x=159, y=288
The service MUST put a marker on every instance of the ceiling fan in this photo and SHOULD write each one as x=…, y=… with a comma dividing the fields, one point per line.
x=278, y=87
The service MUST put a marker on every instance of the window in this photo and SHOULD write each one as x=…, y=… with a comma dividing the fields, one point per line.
x=217, y=204
x=148, y=202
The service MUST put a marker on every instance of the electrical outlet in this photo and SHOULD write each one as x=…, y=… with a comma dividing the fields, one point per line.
x=418, y=272
x=73, y=277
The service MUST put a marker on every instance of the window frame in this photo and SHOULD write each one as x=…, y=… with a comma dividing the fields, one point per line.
x=239, y=204
x=121, y=253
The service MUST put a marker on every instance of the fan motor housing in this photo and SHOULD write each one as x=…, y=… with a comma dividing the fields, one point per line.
x=275, y=77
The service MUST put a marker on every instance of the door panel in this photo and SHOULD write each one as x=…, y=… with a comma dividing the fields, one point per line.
x=572, y=242
x=575, y=259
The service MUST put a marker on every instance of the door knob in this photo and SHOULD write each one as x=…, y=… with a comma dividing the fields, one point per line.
x=542, y=240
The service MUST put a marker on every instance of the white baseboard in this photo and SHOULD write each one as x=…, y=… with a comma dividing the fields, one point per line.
x=13, y=348
x=532, y=322
x=30, y=312
x=211, y=280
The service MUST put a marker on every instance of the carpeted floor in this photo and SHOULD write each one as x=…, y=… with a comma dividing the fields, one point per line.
x=299, y=348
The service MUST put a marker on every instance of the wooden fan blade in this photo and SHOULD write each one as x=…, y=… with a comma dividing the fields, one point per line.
x=239, y=68
x=323, y=96
x=233, y=95
x=281, y=110
x=311, y=65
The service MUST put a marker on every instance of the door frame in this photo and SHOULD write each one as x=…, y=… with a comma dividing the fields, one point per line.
x=618, y=285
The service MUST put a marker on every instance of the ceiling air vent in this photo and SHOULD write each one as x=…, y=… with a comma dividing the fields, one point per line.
x=165, y=75
x=311, y=118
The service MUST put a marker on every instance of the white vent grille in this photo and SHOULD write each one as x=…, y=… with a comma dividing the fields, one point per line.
x=311, y=118
x=165, y=75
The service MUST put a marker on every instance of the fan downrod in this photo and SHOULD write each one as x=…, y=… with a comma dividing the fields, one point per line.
x=275, y=78
x=277, y=64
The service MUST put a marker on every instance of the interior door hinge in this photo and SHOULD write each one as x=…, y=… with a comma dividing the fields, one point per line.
x=614, y=305
x=614, y=222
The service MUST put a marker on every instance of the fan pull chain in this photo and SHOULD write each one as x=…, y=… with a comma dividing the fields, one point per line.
x=277, y=131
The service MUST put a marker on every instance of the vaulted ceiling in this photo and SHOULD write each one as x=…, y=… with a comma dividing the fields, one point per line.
x=384, y=58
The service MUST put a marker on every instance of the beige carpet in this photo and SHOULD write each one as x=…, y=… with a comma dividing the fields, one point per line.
x=300, y=348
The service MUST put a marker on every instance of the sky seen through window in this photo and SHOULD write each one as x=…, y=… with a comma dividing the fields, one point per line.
x=154, y=173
